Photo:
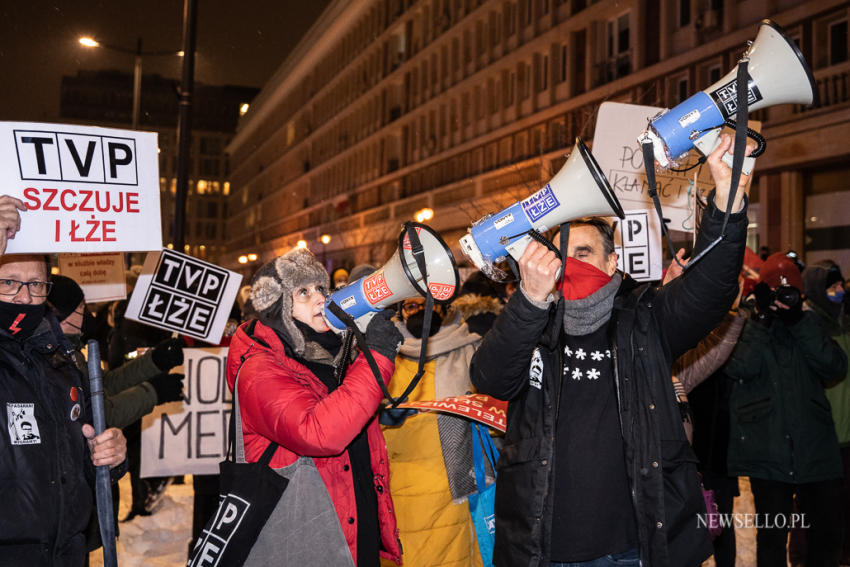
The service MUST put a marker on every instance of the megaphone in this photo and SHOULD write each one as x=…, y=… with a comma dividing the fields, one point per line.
x=778, y=74
x=399, y=279
x=579, y=189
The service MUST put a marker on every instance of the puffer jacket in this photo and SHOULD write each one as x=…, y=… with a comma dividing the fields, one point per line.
x=281, y=400
x=520, y=360
x=46, y=474
x=780, y=421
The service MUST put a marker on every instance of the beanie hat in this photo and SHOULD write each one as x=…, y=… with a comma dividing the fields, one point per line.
x=272, y=287
x=778, y=265
x=65, y=296
x=833, y=276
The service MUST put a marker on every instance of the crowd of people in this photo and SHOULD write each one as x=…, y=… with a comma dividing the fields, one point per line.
x=633, y=409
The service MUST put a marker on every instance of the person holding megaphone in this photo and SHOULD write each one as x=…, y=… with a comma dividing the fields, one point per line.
x=295, y=385
x=596, y=469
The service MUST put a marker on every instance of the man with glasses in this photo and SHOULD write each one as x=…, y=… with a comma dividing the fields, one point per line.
x=47, y=447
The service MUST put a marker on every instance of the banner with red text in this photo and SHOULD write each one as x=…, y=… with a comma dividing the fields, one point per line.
x=86, y=189
x=477, y=407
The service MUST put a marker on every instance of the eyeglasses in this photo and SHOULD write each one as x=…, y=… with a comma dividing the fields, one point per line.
x=36, y=288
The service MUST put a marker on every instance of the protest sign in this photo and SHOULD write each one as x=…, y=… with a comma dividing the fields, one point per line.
x=86, y=189
x=619, y=155
x=101, y=276
x=477, y=407
x=180, y=293
x=637, y=241
x=190, y=437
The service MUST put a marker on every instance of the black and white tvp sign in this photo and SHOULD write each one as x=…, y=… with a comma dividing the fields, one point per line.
x=181, y=293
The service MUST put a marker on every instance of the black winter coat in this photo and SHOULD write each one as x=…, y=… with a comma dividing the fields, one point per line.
x=45, y=477
x=520, y=361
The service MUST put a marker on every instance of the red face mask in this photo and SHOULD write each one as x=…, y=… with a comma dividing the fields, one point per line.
x=581, y=279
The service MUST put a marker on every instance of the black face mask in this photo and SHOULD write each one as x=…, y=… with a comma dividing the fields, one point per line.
x=414, y=323
x=20, y=320
x=87, y=328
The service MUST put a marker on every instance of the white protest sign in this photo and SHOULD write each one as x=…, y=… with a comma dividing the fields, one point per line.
x=180, y=293
x=86, y=189
x=637, y=241
x=101, y=276
x=190, y=437
x=619, y=155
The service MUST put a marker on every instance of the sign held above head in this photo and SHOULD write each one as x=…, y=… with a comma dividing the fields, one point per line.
x=86, y=189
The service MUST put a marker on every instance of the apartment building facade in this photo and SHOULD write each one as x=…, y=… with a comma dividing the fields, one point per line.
x=389, y=107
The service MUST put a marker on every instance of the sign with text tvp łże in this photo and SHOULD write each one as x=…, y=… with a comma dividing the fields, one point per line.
x=637, y=241
x=86, y=189
x=101, y=276
x=181, y=293
x=190, y=437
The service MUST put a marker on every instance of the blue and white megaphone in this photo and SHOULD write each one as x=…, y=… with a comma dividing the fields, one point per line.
x=778, y=74
x=399, y=279
x=579, y=189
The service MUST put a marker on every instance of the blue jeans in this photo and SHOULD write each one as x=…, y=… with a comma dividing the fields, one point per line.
x=623, y=559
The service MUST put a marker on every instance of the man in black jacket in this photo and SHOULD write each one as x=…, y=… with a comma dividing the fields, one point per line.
x=596, y=468
x=47, y=447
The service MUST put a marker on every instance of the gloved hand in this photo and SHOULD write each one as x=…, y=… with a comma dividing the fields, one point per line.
x=169, y=387
x=168, y=354
x=394, y=417
x=764, y=299
x=790, y=315
x=382, y=335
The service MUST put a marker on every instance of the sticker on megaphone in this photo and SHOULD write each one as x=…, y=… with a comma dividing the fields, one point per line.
x=398, y=279
x=579, y=189
x=777, y=74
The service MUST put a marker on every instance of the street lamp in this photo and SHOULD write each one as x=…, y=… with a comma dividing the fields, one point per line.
x=90, y=42
x=325, y=240
x=423, y=215
x=301, y=244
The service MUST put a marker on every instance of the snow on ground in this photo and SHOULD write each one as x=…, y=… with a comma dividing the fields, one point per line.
x=158, y=540
x=162, y=539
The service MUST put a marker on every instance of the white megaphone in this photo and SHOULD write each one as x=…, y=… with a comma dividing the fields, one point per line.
x=579, y=189
x=778, y=74
x=398, y=279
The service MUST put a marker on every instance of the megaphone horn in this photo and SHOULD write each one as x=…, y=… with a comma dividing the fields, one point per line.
x=778, y=74
x=578, y=190
x=399, y=279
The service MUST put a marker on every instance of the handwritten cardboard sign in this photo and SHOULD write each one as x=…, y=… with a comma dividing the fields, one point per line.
x=86, y=189
x=619, y=155
x=478, y=407
x=178, y=292
x=190, y=437
x=101, y=276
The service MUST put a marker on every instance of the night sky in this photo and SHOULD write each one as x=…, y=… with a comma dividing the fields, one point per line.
x=238, y=43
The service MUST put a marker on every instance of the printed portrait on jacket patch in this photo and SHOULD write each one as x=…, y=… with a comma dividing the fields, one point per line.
x=23, y=428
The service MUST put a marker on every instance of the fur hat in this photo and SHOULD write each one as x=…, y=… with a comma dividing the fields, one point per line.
x=272, y=287
x=778, y=265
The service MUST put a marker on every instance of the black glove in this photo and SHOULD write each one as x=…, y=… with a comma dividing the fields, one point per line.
x=763, y=301
x=169, y=387
x=382, y=335
x=792, y=315
x=394, y=417
x=168, y=354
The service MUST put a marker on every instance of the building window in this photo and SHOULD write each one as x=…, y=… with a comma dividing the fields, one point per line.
x=684, y=13
x=529, y=11
x=563, y=74
x=544, y=73
x=510, y=19
x=681, y=89
x=837, y=42
x=714, y=74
